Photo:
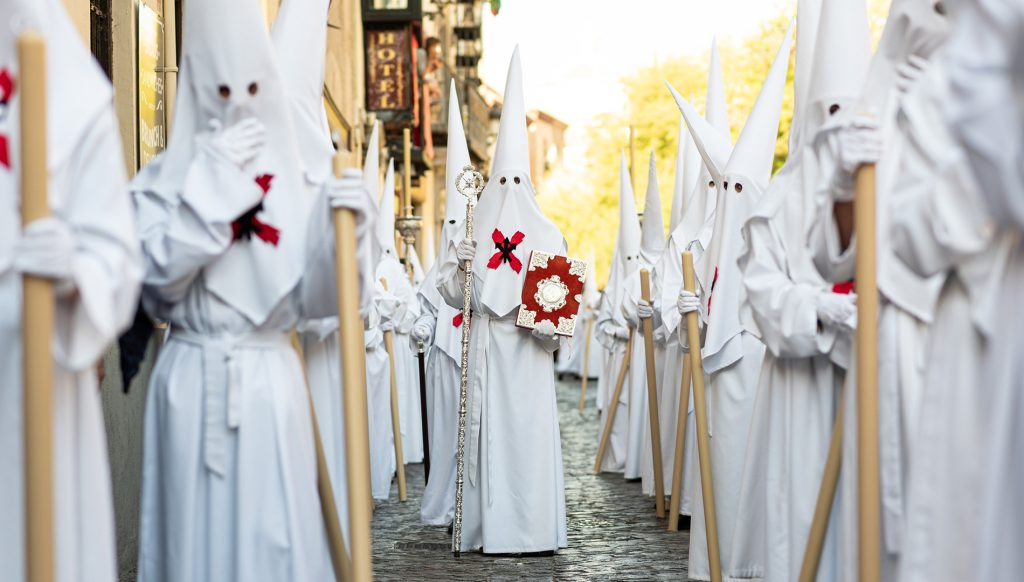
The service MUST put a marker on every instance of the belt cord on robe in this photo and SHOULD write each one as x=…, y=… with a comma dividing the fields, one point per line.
x=37, y=320
x=701, y=414
x=868, y=488
x=652, y=399
x=396, y=420
x=614, y=405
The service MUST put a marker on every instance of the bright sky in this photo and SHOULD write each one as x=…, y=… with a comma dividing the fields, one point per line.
x=575, y=51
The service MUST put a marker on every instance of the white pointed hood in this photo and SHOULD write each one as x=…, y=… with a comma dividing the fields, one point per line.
x=386, y=215
x=687, y=173
x=457, y=158
x=71, y=70
x=417, y=267
x=508, y=223
x=745, y=178
x=299, y=35
x=843, y=53
x=626, y=261
x=652, y=238
x=229, y=73
x=698, y=219
x=808, y=14
x=714, y=147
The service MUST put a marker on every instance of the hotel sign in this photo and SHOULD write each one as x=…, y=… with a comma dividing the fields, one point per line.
x=388, y=70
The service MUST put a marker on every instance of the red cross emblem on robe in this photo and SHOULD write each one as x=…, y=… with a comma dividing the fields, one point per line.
x=505, y=247
x=249, y=225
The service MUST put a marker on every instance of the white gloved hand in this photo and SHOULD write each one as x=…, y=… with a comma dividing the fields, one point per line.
x=836, y=310
x=46, y=248
x=910, y=72
x=545, y=330
x=421, y=332
x=644, y=309
x=860, y=142
x=386, y=325
x=239, y=144
x=348, y=192
x=621, y=332
x=687, y=302
x=466, y=250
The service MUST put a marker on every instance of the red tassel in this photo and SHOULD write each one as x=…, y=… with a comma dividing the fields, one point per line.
x=457, y=320
x=845, y=288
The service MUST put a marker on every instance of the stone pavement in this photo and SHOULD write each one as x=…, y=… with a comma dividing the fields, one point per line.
x=613, y=533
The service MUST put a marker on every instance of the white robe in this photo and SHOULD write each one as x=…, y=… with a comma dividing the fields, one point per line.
x=906, y=308
x=229, y=470
x=943, y=227
x=378, y=398
x=406, y=364
x=443, y=384
x=730, y=403
x=985, y=75
x=88, y=192
x=615, y=349
x=514, y=489
x=640, y=432
x=796, y=402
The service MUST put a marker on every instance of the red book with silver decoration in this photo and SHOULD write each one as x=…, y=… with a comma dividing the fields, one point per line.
x=553, y=291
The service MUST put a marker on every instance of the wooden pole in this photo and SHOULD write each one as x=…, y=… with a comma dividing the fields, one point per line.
x=869, y=496
x=677, y=465
x=701, y=413
x=826, y=496
x=351, y=337
x=396, y=420
x=586, y=365
x=613, y=406
x=37, y=320
x=324, y=487
x=652, y=399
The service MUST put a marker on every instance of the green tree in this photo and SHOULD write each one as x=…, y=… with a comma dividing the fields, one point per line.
x=587, y=212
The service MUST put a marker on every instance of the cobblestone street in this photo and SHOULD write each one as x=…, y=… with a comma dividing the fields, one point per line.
x=613, y=533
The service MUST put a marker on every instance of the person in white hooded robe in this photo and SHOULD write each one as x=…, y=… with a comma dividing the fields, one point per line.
x=88, y=249
x=804, y=322
x=983, y=108
x=514, y=492
x=699, y=188
x=440, y=327
x=732, y=354
x=943, y=226
x=383, y=306
x=913, y=32
x=238, y=247
x=613, y=331
x=391, y=270
x=635, y=309
x=299, y=35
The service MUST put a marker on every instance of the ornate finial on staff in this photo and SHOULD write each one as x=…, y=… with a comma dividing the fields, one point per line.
x=469, y=183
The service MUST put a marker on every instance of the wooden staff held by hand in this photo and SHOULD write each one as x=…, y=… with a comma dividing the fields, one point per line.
x=396, y=419
x=652, y=398
x=36, y=321
x=701, y=413
x=351, y=337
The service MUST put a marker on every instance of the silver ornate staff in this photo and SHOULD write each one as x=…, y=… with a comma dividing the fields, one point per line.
x=469, y=183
